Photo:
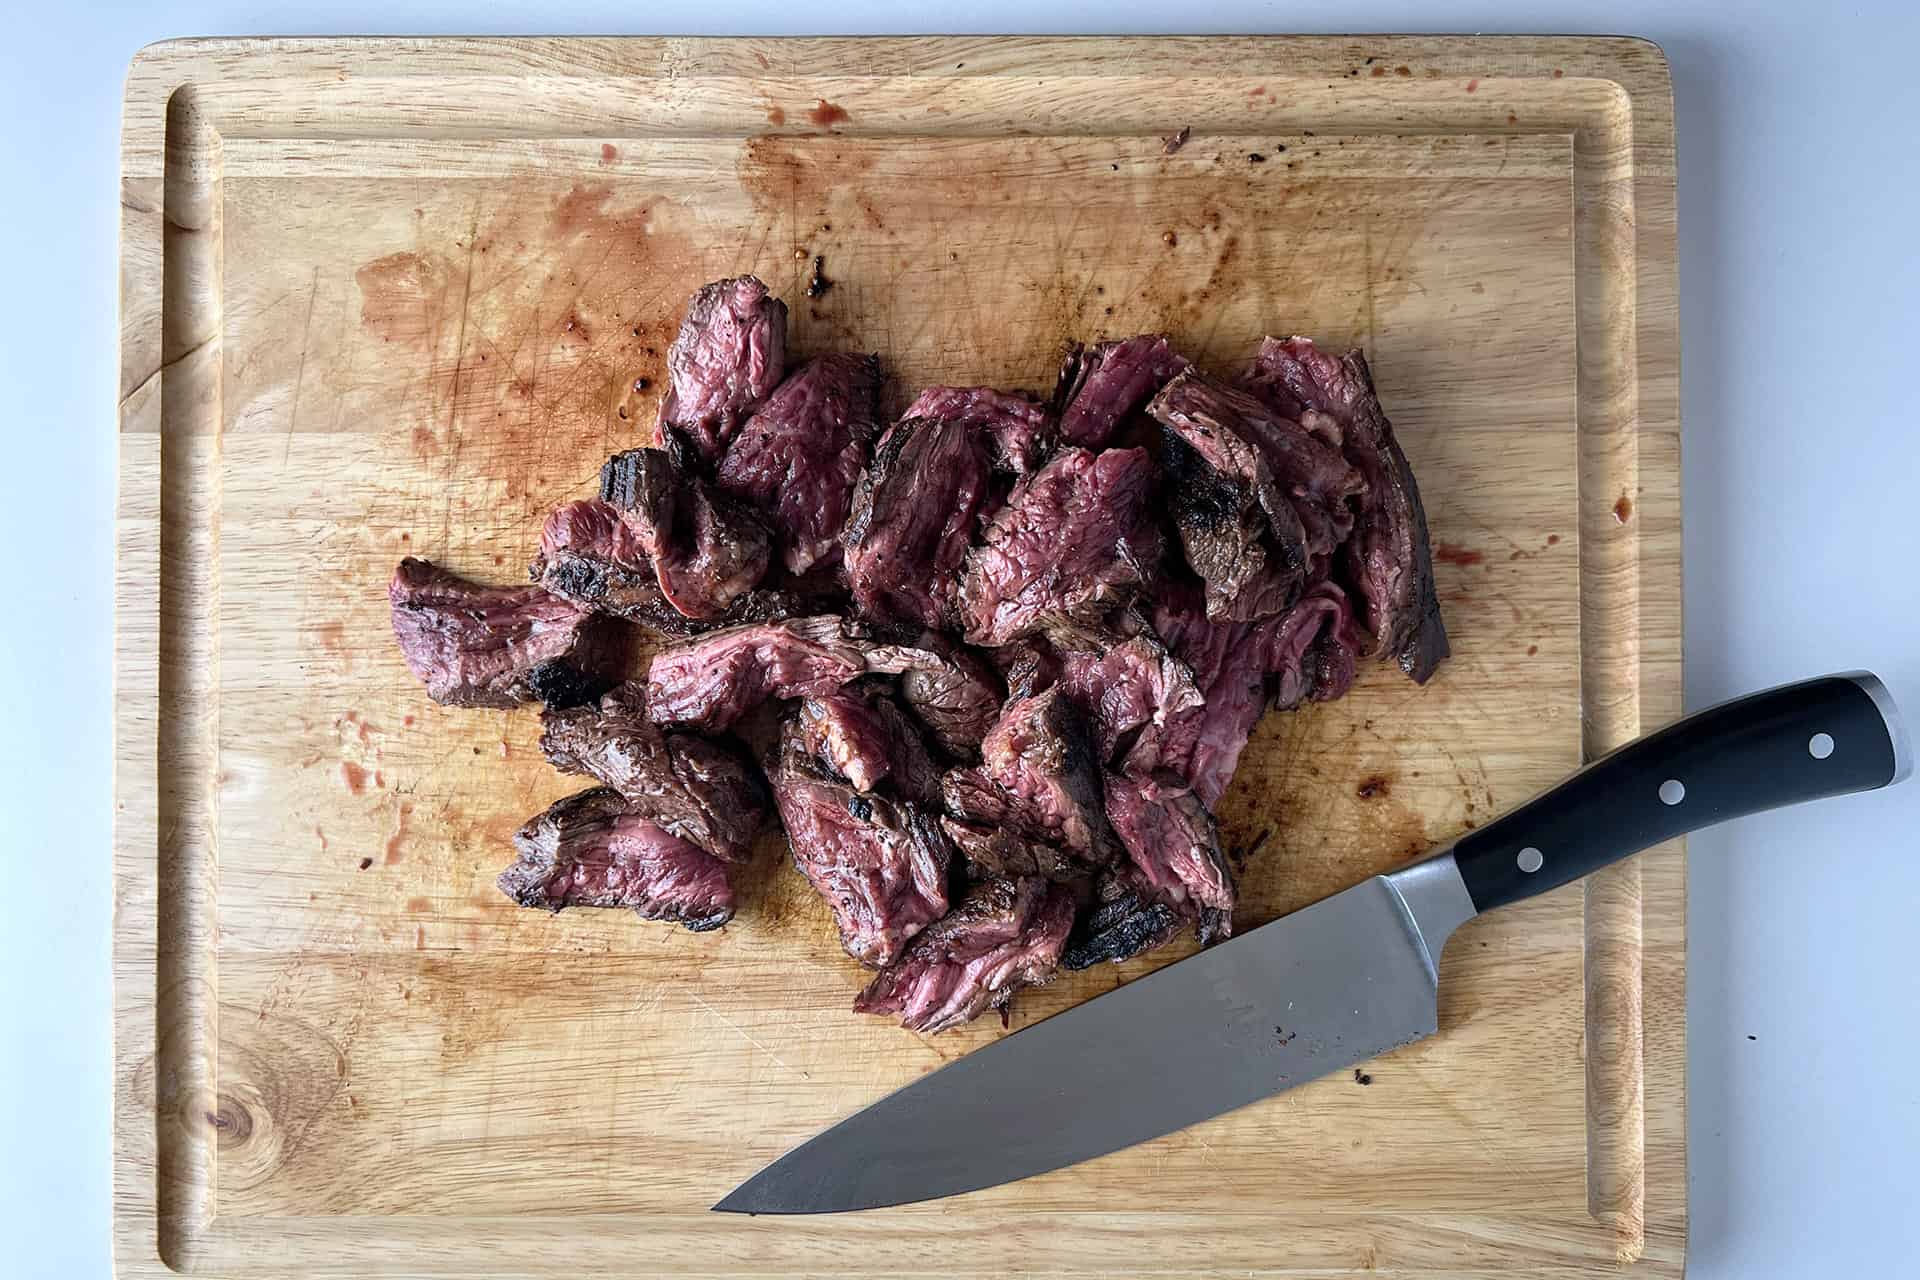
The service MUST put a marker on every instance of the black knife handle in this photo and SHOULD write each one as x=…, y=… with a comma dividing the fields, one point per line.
x=1807, y=741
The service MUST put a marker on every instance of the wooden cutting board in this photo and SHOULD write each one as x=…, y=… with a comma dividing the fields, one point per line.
x=389, y=297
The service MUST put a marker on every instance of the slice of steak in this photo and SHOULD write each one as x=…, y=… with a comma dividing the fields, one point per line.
x=1130, y=691
x=478, y=646
x=1388, y=561
x=953, y=693
x=710, y=682
x=690, y=787
x=1003, y=936
x=880, y=865
x=1260, y=500
x=868, y=739
x=913, y=516
x=1029, y=666
x=1122, y=922
x=997, y=836
x=1174, y=850
x=589, y=555
x=1241, y=536
x=1311, y=648
x=1019, y=432
x=1102, y=387
x=798, y=457
x=1075, y=540
x=708, y=551
x=729, y=355
x=1229, y=664
x=1041, y=752
x=592, y=850
x=718, y=553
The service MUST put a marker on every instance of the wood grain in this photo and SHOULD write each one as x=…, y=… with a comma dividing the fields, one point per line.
x=401, y=296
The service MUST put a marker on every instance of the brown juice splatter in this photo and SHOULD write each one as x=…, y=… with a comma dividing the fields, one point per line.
x=826, y=114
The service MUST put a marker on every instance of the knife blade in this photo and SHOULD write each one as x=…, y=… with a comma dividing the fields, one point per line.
x=1349, y=978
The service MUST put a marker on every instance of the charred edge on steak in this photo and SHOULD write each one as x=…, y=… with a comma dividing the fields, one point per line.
x=1119, y=929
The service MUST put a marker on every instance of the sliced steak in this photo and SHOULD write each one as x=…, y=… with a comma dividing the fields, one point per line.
x=592, y=850
x=1029, y=666
x=1312, y=647
x=880, y=865
x=729, y=355
x=1129, y=691
x=1004, y=935
x=1122, y=922
x=953, y=693
x=1229, y=664
x=1388, y=561
x=710, y=682
x=1041, y=752
x=708, y=551
x=1260, y=501
x=998, y=838
x=1102, y=387
x=1019, y=432
x=590, y=556
x=913, y=516
x=690, y=787
x=1075, y=540
x=799, y=456
x=1174, y=850
x=478, y=646
x=868, y=739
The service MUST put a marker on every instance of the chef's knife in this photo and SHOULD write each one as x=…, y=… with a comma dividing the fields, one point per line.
x=1344, y=980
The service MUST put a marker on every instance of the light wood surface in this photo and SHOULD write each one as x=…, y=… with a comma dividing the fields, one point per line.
x=392, y=297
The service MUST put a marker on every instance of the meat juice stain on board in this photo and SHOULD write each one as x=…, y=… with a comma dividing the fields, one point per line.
x=1449, y=553
x=521, y=323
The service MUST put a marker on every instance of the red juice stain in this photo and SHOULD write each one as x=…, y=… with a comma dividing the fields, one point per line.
x=608, y=153
x=399, y=834
x=1472, y=85
x=776, y=115
x=1532, y=649
x=354, y=776
x=1451, y=554
x=825, y=114
x=406, y=722
x=418, y=904
x=1553, y=539
x=1623, y=510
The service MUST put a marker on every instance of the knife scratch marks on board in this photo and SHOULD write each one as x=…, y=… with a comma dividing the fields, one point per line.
x=750, y=1038
x=300, y=370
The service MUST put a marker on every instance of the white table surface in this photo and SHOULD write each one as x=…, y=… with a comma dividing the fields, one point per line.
x=1799, y=283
